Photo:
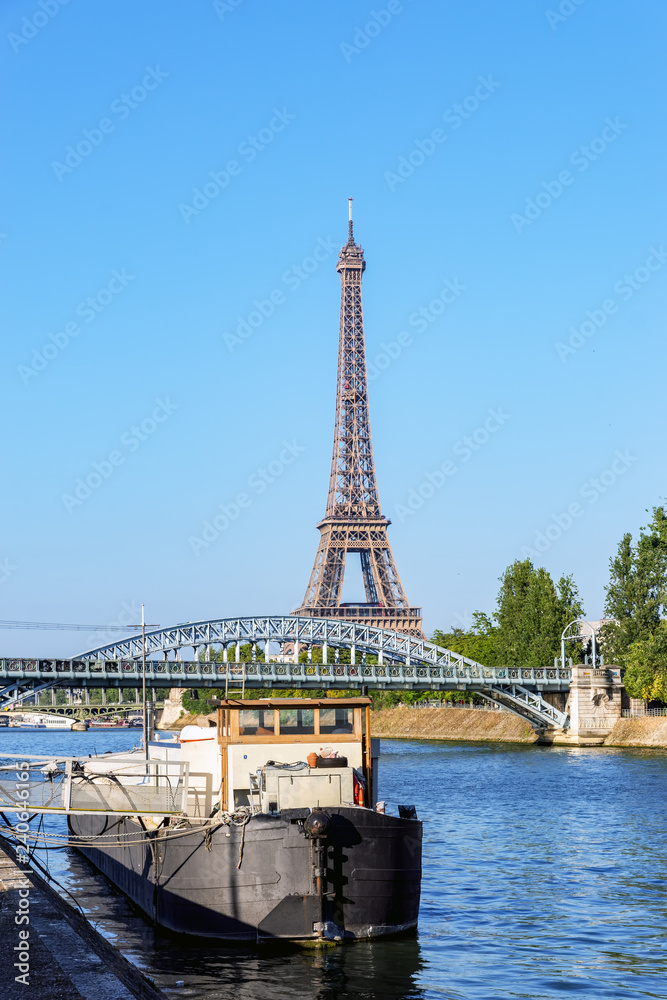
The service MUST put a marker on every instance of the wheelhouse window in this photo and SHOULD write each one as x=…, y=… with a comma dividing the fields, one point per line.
x=336, y=720
x=256, y=722
x=297, y=721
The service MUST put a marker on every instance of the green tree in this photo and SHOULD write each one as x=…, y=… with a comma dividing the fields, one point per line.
x=477, y=643
x=646, y=673
x=531, y=614
x=636, y=595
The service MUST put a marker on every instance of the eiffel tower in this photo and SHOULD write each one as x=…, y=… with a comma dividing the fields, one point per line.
x=353, y=521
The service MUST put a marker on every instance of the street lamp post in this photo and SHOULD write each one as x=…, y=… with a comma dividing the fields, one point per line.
x=577, y=621
x=143, y=680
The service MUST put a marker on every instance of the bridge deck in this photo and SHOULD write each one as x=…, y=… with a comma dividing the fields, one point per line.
x=183, y=673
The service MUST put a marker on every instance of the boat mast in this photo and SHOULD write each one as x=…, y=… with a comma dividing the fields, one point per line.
x=143, y=680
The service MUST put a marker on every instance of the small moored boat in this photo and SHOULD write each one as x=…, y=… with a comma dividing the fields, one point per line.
x=46, y=720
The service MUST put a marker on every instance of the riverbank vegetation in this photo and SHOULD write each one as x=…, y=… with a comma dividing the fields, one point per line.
x=532, y=611
x=635, y=637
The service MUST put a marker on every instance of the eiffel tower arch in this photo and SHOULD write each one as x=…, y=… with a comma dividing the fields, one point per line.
x=353, y=521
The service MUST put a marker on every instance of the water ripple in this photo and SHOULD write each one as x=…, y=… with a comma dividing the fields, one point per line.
x=544, y=878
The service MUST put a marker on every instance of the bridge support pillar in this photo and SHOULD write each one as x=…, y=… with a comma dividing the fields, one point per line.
x=173, y=708
x=594, y=704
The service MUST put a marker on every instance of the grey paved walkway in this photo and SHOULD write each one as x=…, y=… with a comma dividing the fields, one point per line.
x=66, y=958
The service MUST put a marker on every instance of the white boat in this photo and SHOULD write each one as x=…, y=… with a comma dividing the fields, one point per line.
x=46, y=720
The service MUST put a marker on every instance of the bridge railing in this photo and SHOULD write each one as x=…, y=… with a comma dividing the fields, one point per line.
x=258, y=673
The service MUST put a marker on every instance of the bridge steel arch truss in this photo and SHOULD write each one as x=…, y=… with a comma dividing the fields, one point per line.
x=404, y=662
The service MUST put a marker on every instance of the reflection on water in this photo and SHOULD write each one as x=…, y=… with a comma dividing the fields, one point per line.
x=360, y=971
x=544, y=876
x=211, y=971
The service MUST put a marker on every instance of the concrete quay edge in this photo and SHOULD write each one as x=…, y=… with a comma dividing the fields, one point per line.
x=68, y=958
x=495, y=727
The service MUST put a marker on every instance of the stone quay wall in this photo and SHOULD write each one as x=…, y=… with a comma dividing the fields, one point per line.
x=451, y=724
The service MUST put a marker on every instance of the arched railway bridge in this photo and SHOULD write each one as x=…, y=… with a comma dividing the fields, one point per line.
x=379, y=659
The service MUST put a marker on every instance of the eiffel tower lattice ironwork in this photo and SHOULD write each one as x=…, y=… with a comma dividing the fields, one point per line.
x=353, y=521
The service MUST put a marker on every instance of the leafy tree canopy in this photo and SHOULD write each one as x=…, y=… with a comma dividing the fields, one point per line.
x=478, y=643
x=531, y=614
x=646, y=673
x=525, y=629
x=636, y=595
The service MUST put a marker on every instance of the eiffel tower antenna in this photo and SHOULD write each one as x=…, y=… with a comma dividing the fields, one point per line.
x=353, y=521
x=350, y=233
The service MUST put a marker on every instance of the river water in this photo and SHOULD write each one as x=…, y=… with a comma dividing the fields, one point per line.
x=544, y=877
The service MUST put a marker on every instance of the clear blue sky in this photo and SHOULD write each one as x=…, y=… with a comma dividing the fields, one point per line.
x=535, y=198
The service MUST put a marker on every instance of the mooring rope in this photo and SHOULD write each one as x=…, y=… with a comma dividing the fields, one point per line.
x=241, y=817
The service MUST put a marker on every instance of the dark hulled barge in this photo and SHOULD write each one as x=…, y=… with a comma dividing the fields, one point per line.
x=281, y=836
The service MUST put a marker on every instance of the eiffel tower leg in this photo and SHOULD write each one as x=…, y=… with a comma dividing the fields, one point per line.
x=327, y=577
x=389, y=581
x=370, y=575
